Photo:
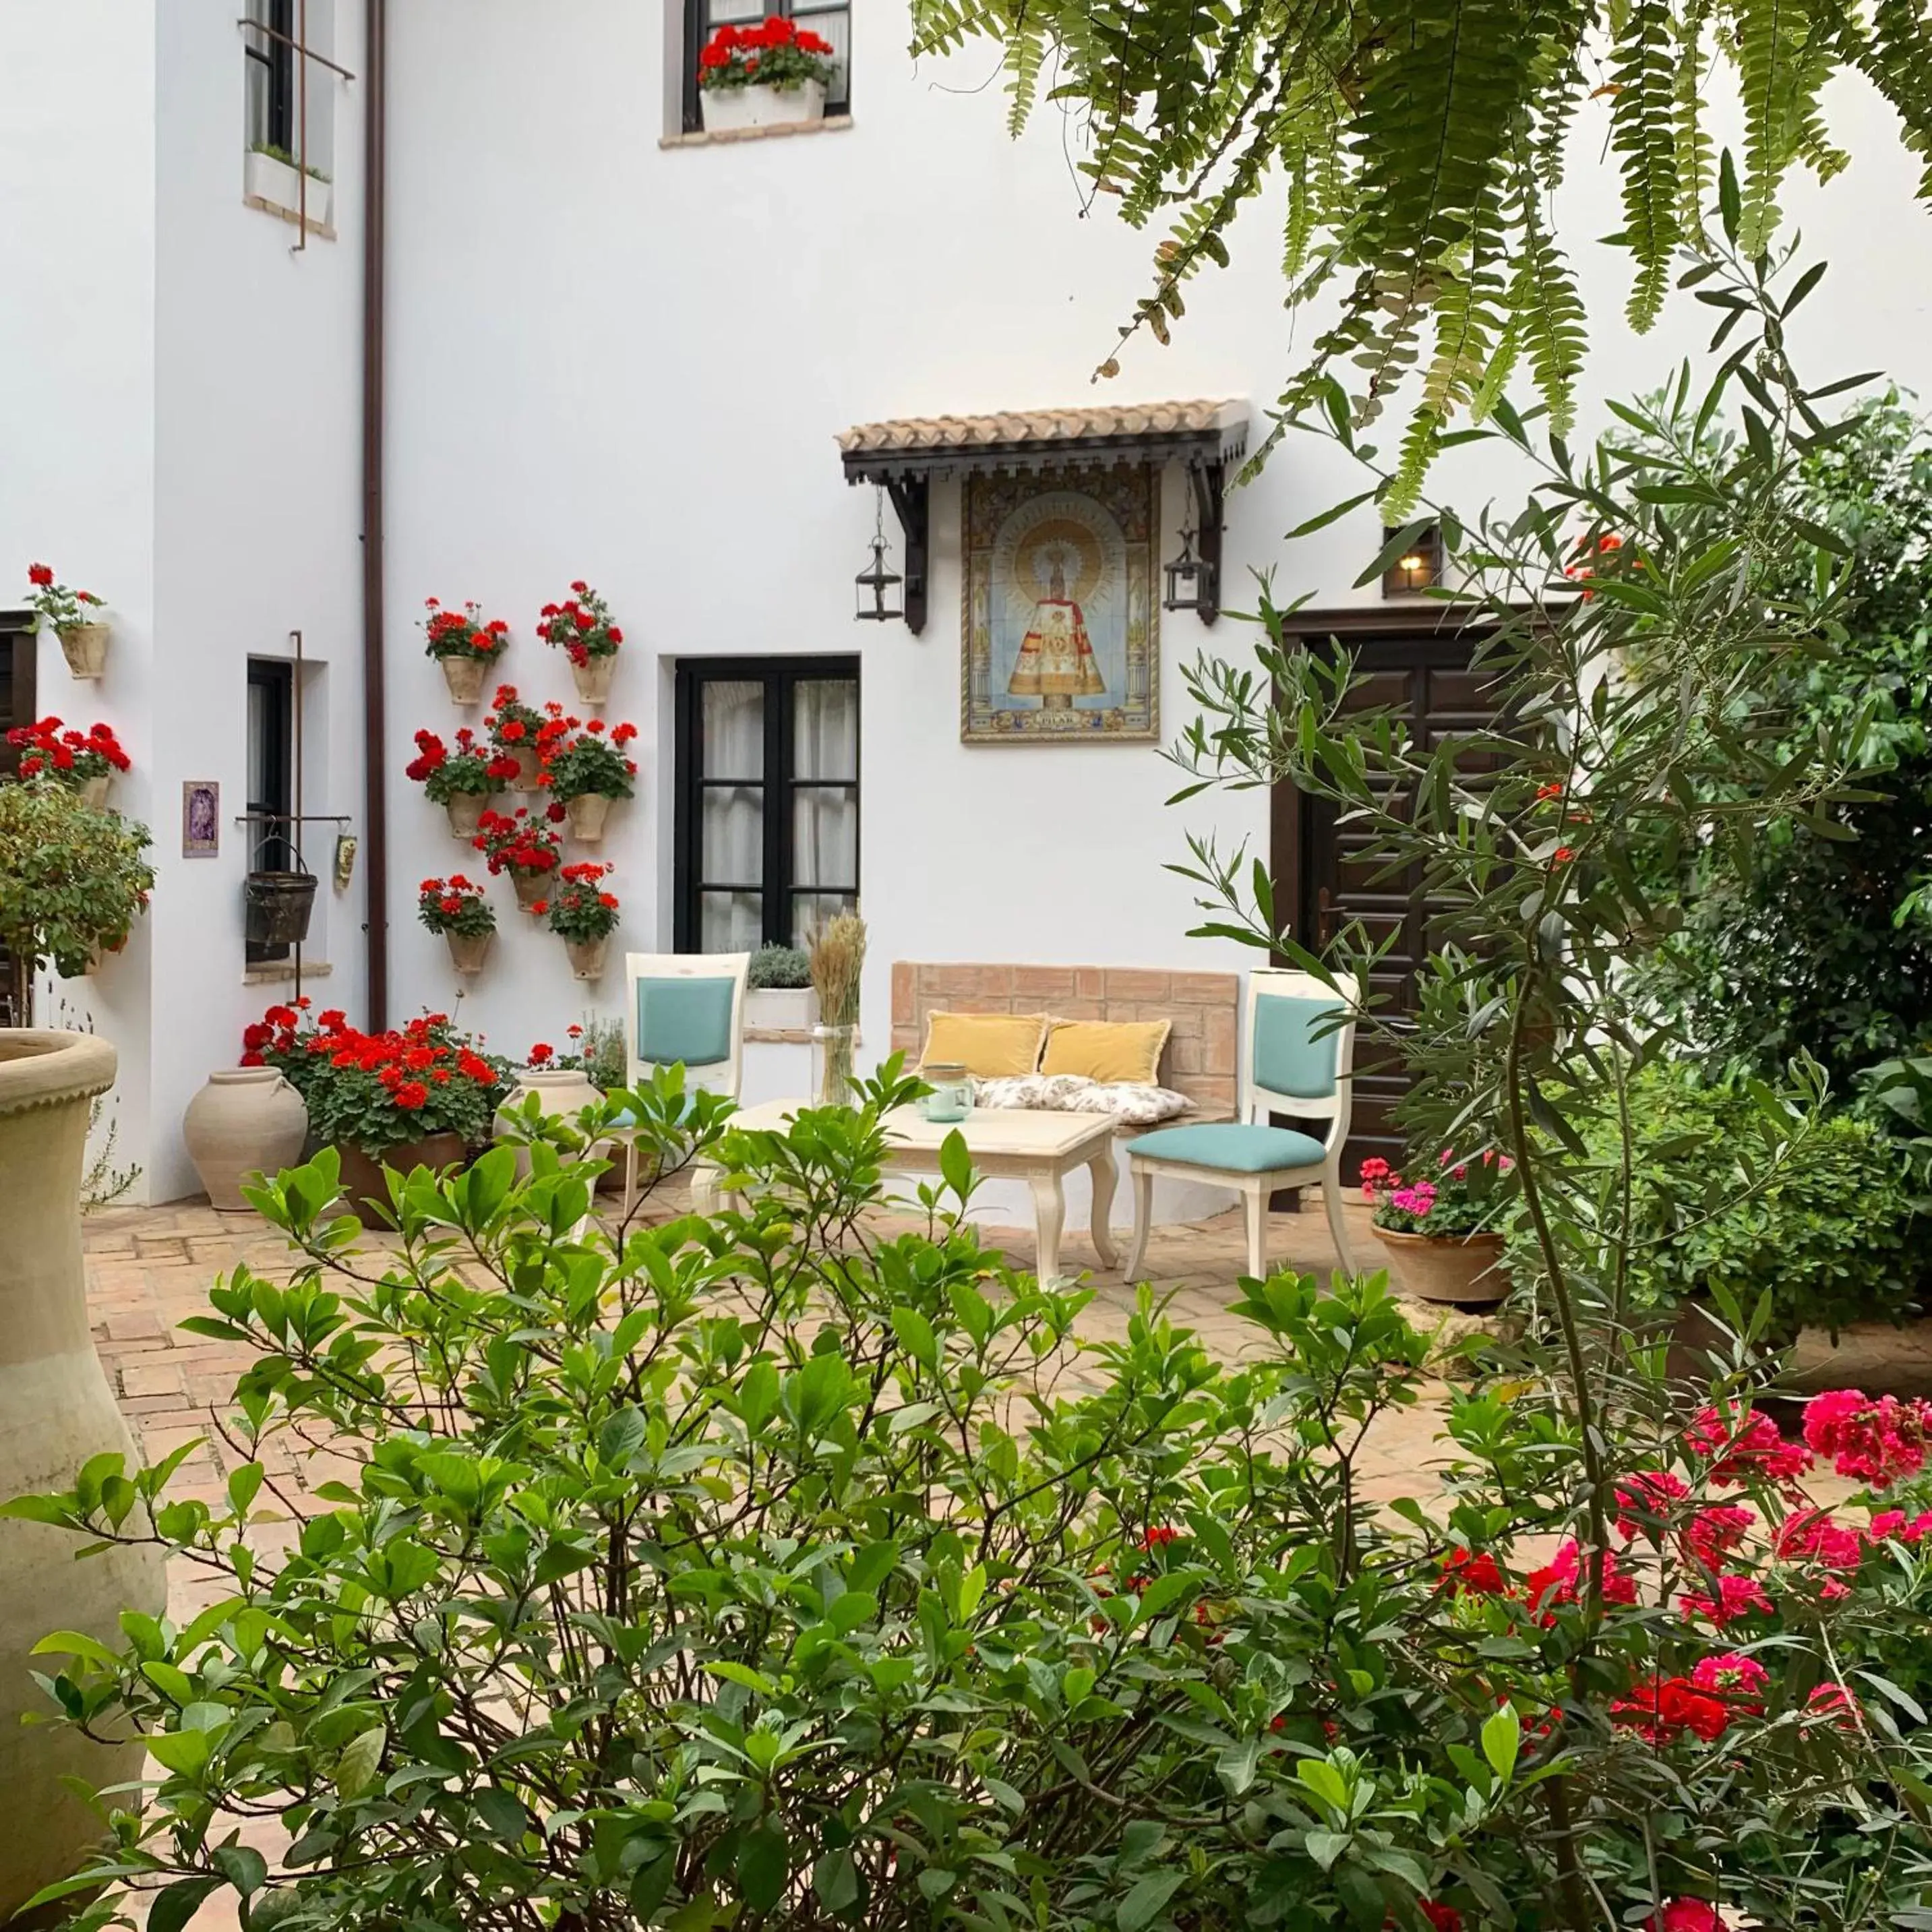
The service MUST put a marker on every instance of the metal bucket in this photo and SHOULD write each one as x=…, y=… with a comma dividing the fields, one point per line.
x=278, y=905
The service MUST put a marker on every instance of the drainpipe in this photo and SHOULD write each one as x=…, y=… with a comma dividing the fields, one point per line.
x=375, y=735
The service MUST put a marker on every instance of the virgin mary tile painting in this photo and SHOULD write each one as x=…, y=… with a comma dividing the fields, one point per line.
x=1060, y=640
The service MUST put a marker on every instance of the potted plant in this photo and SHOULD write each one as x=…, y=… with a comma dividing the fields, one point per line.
x=771, y=74
x=582, y=915
x=527, y=848
x=461, y=780
x=512, y=726
x=70, y=615
x=86, y=761
x=417, y=1096
x=779, y=996
x=562, y=1085
x=584, y=772
x=837, y=955
x=581, y=627
x=465, y=646
x=456, y=907
x=1442, y=1231
x=273, y=175
x=72, y=878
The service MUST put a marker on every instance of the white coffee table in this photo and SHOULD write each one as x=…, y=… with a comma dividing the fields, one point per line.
x=1041, y=1149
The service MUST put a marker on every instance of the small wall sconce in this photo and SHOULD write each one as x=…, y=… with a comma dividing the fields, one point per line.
x=1190, y=579
x=876, y=582
x=1420, y=566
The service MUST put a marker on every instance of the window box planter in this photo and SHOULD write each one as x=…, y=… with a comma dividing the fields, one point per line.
x=781, y=1009
x=729, y=110
x=1465, y=1269
x=280, y=185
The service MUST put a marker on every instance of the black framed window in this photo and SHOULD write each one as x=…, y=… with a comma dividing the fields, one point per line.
x=831, y=19
x=766, y=818
x=272, y=75
x=270, y=828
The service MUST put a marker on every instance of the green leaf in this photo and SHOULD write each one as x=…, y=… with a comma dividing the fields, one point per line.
x=242, y=1866
x=1502, y=1739
x=176, y=1904
x=955, y=1164
x=361, y=1757
x=764, y=1864
x=1148, y=1899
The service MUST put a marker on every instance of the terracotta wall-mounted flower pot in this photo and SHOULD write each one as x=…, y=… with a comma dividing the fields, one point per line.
x=587, y=814
x=530, y=887
x=466, y=810
x=365, y=1194
x=592, y=678
x=587, y=957
x=58, y=1411
x=527, y=767
x=468, y=950
x=247, y=1120
x=1465, y=1269
x=85, y=647
x=93, y=791
x=464, y=674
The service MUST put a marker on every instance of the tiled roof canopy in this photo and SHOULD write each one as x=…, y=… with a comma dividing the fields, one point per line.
x=1033, y=440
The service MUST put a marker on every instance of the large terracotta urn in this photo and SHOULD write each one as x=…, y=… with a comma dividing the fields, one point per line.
x=247, y=1120
x=563, y=1091
x=56, y=1411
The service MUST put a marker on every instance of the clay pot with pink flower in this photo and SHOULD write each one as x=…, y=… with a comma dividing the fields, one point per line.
x=1441, y=1224
x=581, y=627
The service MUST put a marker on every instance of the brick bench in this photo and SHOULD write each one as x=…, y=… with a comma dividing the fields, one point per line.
x=1204, y=1008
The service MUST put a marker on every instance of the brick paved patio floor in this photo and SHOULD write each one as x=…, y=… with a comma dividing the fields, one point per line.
x=150, y=1268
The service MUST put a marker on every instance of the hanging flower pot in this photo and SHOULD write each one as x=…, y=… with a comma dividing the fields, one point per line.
x=85, y=761
x=85, y=647
x=527, y=848
x=513, y=727
x=466, y=810
x=587, y=814
x=530, y=887
x=458, y=910
x=530, y=769
x=587, y=956
x=466, y=647
x=277, y=905
x=468, y=950
x=93, y=791
x=592, y=678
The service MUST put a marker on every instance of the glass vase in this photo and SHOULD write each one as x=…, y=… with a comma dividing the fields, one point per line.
x=832, y=1053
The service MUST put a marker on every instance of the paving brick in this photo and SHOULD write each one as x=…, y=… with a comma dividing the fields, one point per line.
x=141, y=1379
x=904, y=979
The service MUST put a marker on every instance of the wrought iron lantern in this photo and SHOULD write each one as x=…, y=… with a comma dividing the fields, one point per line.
x=1190, y=579
x=1419, y=568
x=876, y=583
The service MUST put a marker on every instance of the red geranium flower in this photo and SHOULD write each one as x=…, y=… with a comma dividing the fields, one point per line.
x=41, y=573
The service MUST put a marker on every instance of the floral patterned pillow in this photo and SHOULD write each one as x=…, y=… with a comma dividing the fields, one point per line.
x=1127, y=1101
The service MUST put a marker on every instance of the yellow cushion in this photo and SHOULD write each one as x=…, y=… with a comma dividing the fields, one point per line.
x=990, y=1046
x=1110, y=1051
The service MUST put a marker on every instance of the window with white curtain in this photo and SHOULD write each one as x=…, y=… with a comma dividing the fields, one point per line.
x=767, y=815
x=830, y=20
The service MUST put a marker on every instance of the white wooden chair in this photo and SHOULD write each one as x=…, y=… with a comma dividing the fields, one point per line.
x=1298, y=1062
x=685, y=1008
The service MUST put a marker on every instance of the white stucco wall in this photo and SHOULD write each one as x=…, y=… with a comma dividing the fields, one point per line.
x=620, y=361
x=77, y=383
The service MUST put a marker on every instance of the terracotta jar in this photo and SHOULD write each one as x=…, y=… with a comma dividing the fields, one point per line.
x=468, y=950
x=365, y=1194
x=563, y=1091
x=247, y=1120
x=464, y=675
x=587, y=957
x=56, y=1411
x=85, y=647
x=1467, y=1269
x=466, y=810
x=588, y=812
x=531, y=887
x=592, y=678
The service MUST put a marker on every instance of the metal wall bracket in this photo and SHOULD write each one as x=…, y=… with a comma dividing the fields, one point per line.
x=1209, y=482
x=911, y=501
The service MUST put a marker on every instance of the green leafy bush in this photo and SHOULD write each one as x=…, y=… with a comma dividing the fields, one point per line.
x=764, y=1570
x=776, y=968
x=72, y=877
x=1731, y=1188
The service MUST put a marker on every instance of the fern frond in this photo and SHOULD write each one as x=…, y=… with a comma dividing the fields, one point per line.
x=1547, y=310
x=1898, y=60
x=1770, y=58
x=1641, y=132
x=1697, y=164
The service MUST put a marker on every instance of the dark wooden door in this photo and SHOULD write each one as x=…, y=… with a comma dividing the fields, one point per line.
x=1417, y=661
x=16, y=707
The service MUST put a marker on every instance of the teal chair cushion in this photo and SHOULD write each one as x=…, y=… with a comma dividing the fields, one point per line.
x=1292, y=1055
x=684, y=1020
x=1232, y=1147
